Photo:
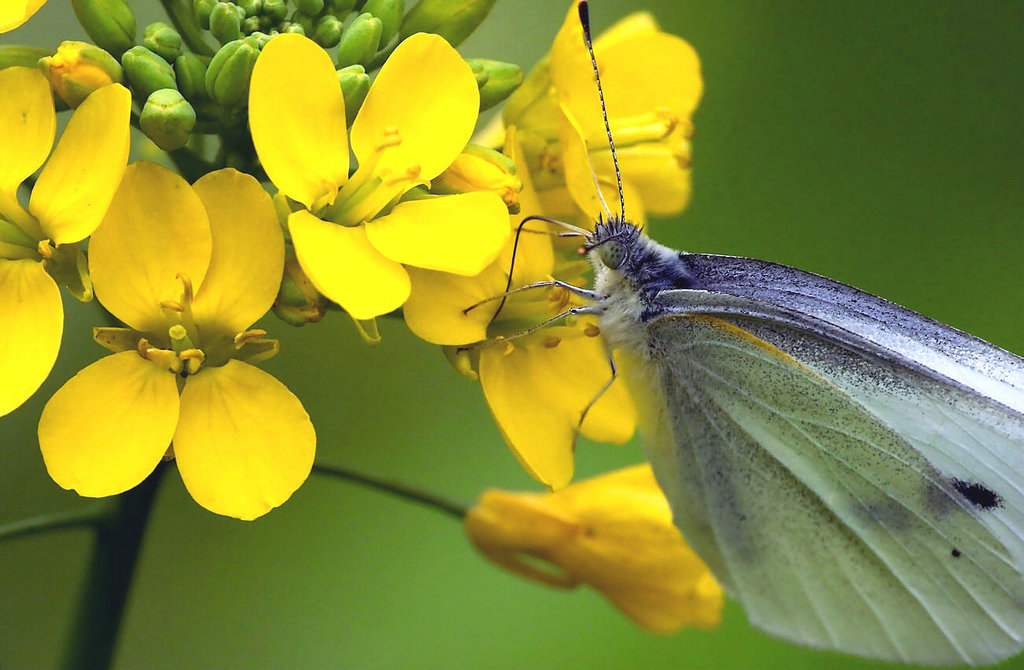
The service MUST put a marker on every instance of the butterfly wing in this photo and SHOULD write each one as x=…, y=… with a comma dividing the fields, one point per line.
x=847, y=493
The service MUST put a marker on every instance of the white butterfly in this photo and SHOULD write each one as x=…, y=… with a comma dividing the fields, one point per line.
x=851, y=471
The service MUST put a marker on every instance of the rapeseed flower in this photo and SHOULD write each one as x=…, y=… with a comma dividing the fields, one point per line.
x=354, y=236
x=188, y=269
x=613, y=533
x=67, y=203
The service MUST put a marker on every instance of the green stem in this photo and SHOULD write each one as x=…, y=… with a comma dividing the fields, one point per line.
x=184, y=22
x=87, y=516
x=108, y=579
x=427, y=498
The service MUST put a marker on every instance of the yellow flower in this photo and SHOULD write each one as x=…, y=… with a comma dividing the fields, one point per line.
x=612, y=532
x=353, y=236
x=13, y=13
x=652, y=85
x=188, y=269
x=538, y=385
x=67, y=203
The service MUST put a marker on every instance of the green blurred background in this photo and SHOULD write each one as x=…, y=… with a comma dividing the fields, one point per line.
x=877, y=143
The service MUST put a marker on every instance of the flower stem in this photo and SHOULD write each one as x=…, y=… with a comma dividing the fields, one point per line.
x=180, y=14
x=87, y=516
x=427, y=498
x=108, y=579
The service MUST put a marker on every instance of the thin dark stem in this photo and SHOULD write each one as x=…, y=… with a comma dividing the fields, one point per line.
x=427, y=498
x=184, y=22
x=93, y=637
x=88, y=516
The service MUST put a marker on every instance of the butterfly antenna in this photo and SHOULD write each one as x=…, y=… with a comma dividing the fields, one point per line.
x=584, y=11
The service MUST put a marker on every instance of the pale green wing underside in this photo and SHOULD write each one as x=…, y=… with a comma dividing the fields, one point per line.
x=793, y=470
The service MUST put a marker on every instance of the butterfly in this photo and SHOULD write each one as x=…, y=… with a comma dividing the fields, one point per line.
x=851, y=471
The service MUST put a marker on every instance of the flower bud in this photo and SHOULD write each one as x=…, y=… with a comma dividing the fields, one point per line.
x=251, y=24
x=167, y=119
x=481, y=169
x=454, y=20
x=340, y=8
x=390, y=14
x=500, y=81
x=359, y=41
x=202, y=10
x=109, y=23
x=327, y=32
x=309, y=7
x=162, y=40
x=303, y=21
x=146, y=72
x=12, y=55
x=78, y=69
x=355, y=84
x=226, y=22
x=227, y=77
x=479, y=73
x=274, y=11
x=190, y=73
x=252, y=8
x=298, y=302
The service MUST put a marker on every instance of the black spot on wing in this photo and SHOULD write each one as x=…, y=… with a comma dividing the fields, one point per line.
x=977, y=494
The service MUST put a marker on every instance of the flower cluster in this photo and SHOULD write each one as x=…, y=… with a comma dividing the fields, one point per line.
x=358, y=117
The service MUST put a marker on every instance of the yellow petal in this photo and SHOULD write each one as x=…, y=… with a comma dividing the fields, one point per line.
x=345, y=267
x=428, y=94
x=661, y=180
x=453, y=233
x=637, y=24
x=244, y=443
x=28, y=124
x=248, y=254
x=534, y=255
x=13, y=13
x=613, y=532
x=156, y=228
x=33, y=320
x=79, y=180
x=106, y=429
x=538, y=391
x=436, y=304
x=297, y=119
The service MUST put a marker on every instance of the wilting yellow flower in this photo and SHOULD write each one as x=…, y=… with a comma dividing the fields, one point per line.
x=612, y=532
x=537, y=385
x=353, y=235
x=188, y=269
x=13, y=13
x=652, y=85
x=67, y=203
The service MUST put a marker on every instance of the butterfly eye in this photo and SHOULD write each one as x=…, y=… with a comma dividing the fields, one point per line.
x=612, y=253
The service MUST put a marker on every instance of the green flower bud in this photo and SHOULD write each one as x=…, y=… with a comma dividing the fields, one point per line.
x=301, y=19
x=202, y=10
x=500, y=80
x=167, y=119
x=309, y=7
x=251, y=24
x=109, y=23
x=162, y=40
x=340, y=8
x=355, y=84
x=226, y=22
x=251, y=8
x=298, y=302
x=454, y=20
x=359, y=41
x=146, y=72
x=478, y=71
x=78, y=69
x=274, y=10
x=390, y=14
x=190, y=73
x=227, y=77
x=16, y=54
x=261, y=39
x=328, y=31
x=294, y=28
